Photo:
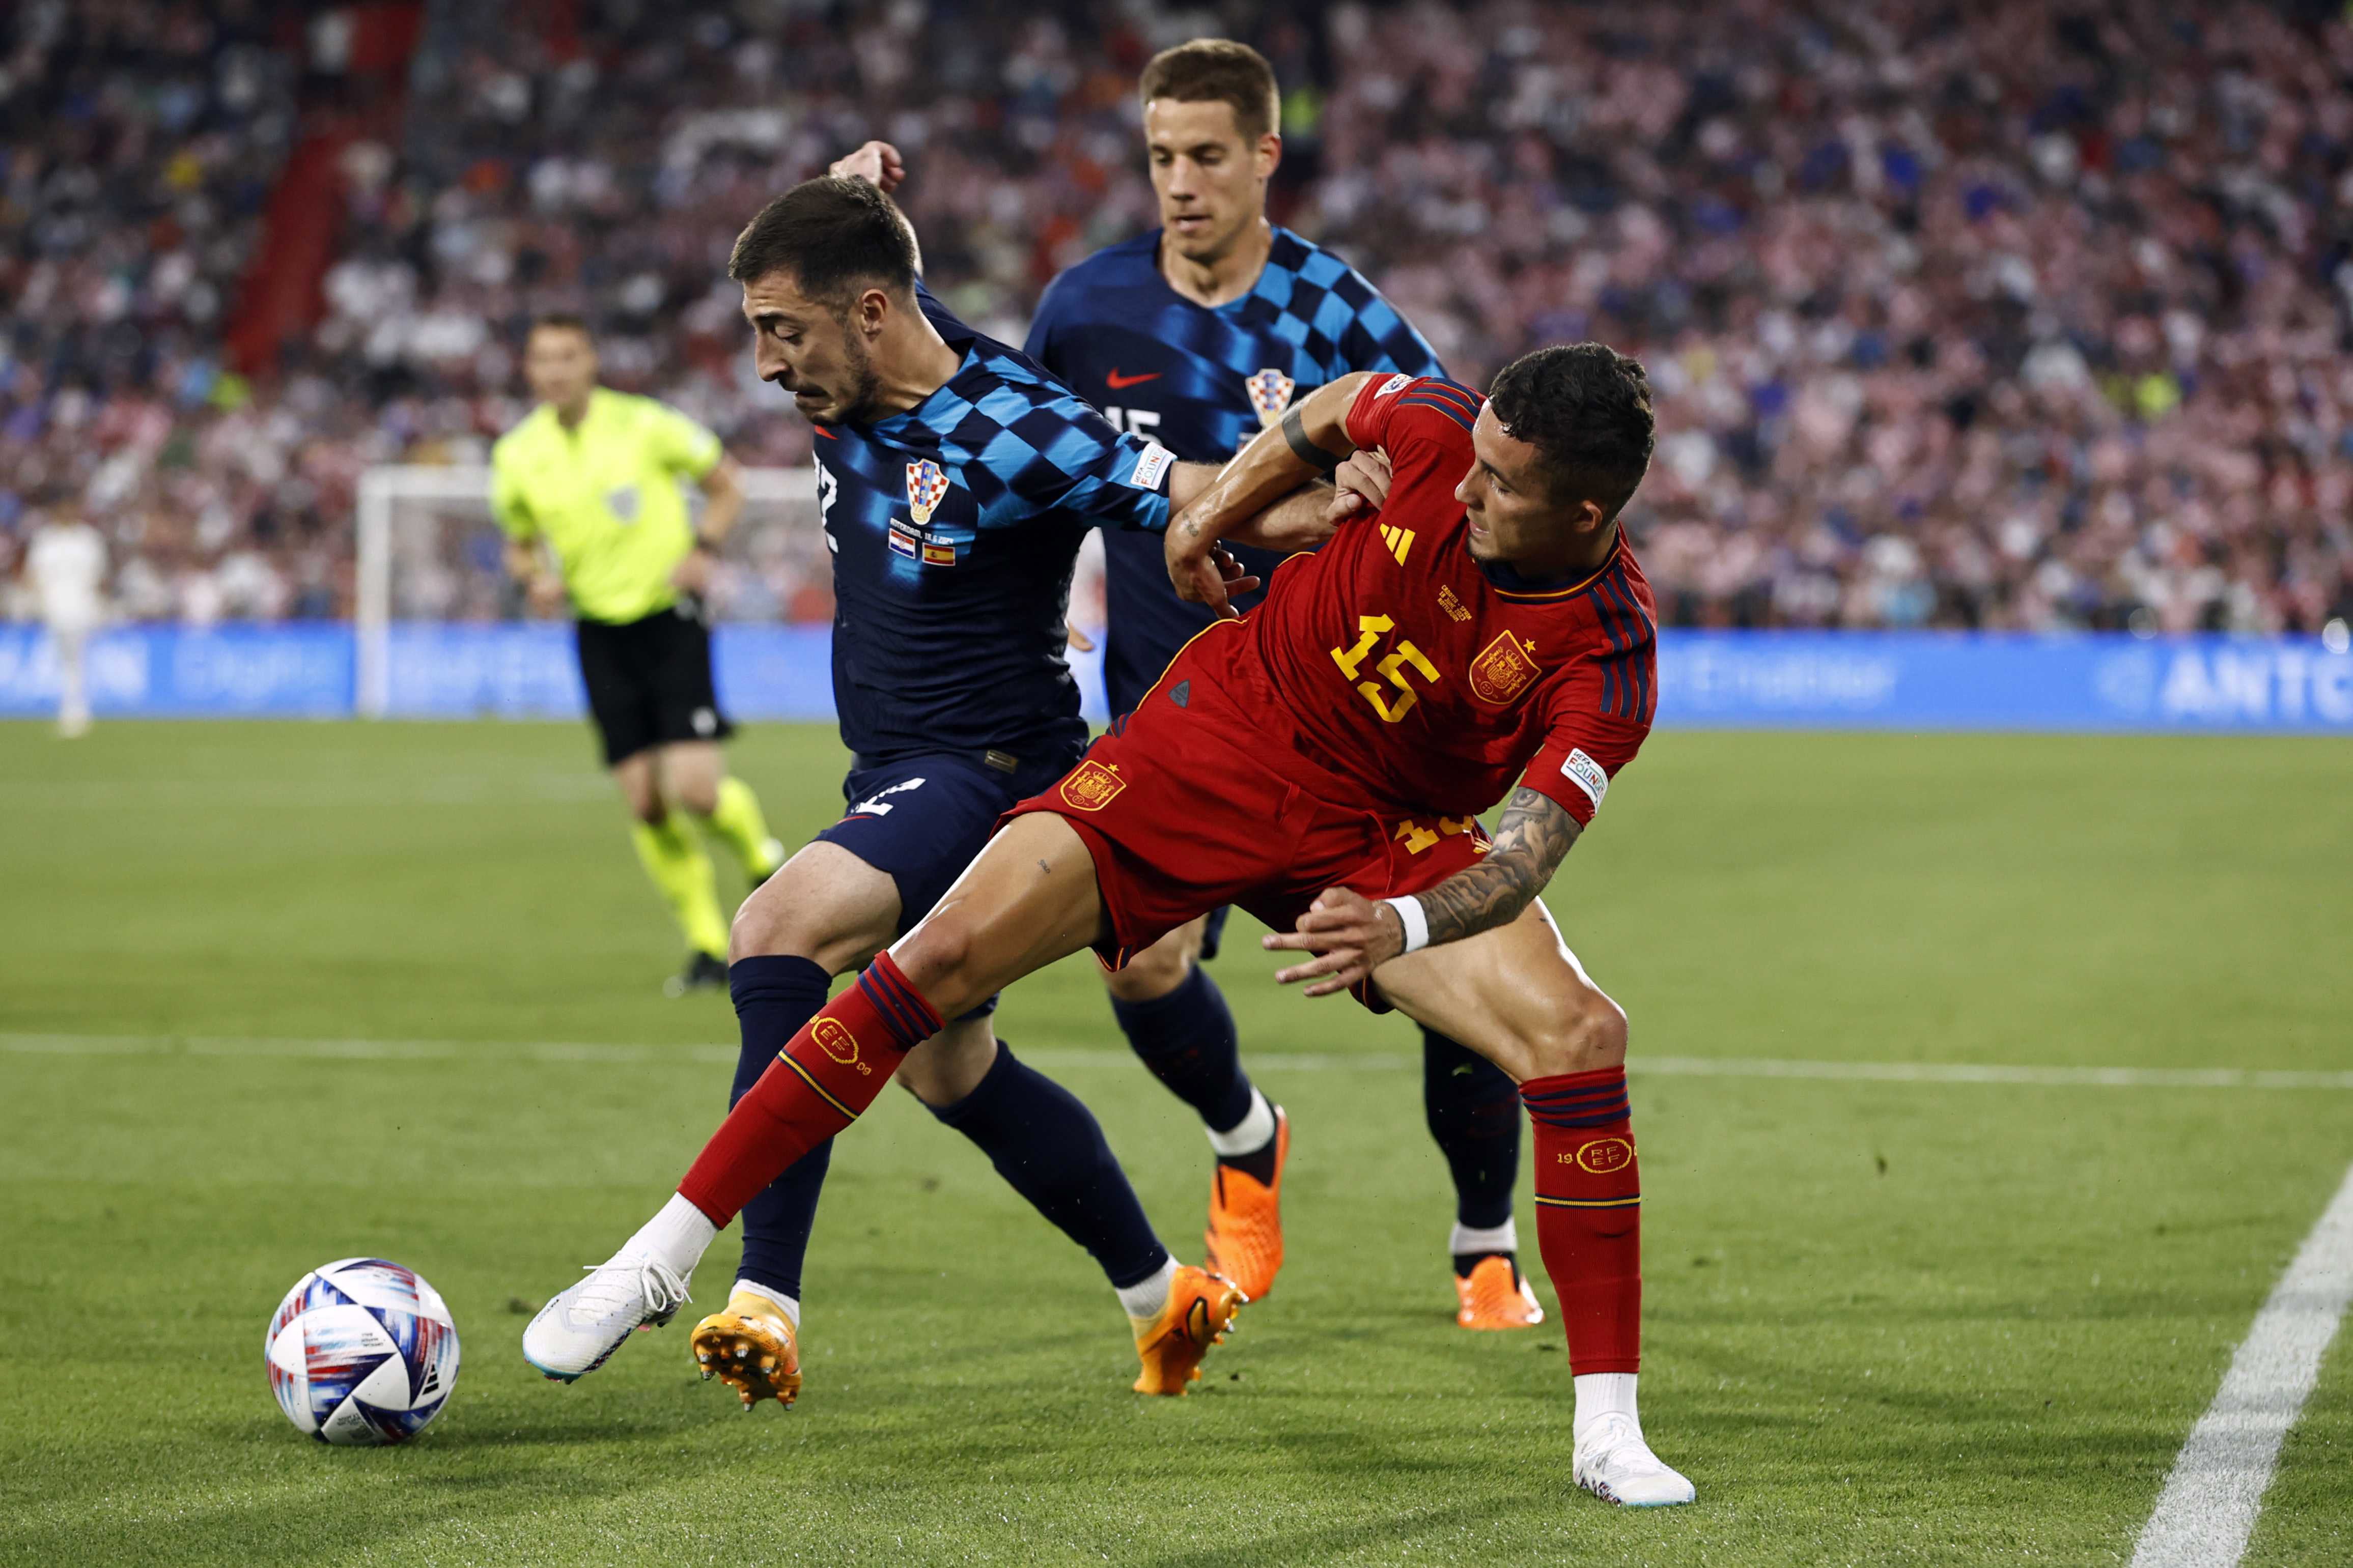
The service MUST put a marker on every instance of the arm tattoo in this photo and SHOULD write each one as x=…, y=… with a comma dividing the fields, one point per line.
x=1535, y=834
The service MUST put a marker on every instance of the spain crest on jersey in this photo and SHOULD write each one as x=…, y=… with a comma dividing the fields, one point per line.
x=1270, y=394
x=927, y=485
x=1502, y=670
x=1091, y=786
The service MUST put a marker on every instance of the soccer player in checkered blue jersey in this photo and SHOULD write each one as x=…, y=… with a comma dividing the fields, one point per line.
x=1199, y=335
x=955, y=481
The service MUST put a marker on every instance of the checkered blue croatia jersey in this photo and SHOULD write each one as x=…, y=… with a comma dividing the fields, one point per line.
x=1202, y=382
x=953, y=529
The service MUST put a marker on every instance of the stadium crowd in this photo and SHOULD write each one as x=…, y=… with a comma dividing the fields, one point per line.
x=2005, y=315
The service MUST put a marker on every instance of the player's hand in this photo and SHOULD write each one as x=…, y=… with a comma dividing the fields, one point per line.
x=1077, y=638
x=1359, y=485
x=545, y=593
x=1230, y=575
x=1204, y=571
x=877, y=162
x=693, y=574
x=1350, y=935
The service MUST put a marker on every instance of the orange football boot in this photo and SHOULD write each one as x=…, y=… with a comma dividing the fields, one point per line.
x=1496, y=1295
x=1245, y=1234
x=751, y=1347
x=1200, y=1308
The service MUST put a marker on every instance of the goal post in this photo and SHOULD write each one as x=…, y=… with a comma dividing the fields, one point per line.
x=428, y=551
x=440, y=631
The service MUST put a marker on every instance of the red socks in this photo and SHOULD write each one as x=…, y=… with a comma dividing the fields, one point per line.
x=1589, y=1215
x=825, y=1075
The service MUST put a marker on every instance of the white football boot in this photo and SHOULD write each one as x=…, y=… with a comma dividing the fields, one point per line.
x=1617, y=1466
x=578, y=1331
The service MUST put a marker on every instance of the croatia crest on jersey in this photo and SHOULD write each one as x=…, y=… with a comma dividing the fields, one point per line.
x=1270, y=394
x=1501, y=671
x=926, y=486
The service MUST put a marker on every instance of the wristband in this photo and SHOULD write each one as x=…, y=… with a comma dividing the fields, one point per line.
x=1416, y=923
x=705, y=545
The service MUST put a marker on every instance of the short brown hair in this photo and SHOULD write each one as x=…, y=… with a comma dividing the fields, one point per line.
x=831, y=235
x=1217, y=70
x=562, y=322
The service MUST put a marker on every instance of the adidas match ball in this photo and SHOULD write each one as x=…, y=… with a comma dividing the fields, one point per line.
x=361, y=1352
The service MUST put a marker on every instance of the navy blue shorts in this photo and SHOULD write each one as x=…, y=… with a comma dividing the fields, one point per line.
x=920, y=821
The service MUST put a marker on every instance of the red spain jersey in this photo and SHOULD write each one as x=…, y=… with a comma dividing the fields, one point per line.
x=1432, y=682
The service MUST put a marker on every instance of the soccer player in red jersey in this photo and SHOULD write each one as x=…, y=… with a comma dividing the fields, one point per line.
x=1322, y=763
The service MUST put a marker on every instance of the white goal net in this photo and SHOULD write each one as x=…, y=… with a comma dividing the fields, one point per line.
x=440, y=629
x=430, y=553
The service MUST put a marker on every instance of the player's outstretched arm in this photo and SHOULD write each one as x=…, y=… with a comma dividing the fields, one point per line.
x=1351, y=935
x=1311, y=441
x=1301, y=520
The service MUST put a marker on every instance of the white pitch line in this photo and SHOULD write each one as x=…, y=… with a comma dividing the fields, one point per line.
x=1273, y=1061
x=457, y=789
x=352, y=1050
x=2207, y=1510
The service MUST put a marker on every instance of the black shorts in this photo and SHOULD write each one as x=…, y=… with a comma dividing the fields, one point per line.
x=650, y=682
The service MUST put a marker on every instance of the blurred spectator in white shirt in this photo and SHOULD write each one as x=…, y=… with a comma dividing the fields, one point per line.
x=65, y=566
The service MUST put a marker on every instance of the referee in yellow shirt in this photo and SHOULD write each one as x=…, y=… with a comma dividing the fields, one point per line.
x=590, y=479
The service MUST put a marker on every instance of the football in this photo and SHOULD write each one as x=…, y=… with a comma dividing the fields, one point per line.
x=362, y=1353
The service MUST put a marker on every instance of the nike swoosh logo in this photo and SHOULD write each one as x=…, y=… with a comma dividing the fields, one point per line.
x=1117, y=382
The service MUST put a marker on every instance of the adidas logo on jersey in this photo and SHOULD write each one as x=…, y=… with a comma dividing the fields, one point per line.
x=1398, y=539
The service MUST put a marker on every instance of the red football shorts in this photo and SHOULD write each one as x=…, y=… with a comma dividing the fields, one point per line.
x=1200, y=797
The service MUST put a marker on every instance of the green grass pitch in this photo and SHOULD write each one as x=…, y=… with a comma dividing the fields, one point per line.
x=1889, y=1322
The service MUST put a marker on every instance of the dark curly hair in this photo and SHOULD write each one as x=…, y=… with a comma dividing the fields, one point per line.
x=1586, y=408
x=833, y=235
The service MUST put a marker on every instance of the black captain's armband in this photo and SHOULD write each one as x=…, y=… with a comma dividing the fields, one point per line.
x=1295, y=432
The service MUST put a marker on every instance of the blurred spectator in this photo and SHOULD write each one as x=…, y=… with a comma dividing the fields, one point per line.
x=65, y=571
x=2002, y=315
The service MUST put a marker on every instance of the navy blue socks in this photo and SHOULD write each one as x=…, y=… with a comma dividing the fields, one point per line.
x=775, y=996
x=1051, y=1149
x=1186, y=1038
x=1473, y=1108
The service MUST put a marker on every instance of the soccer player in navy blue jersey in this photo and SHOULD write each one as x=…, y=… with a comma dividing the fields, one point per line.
x=1198, y=336
x=955, y=481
